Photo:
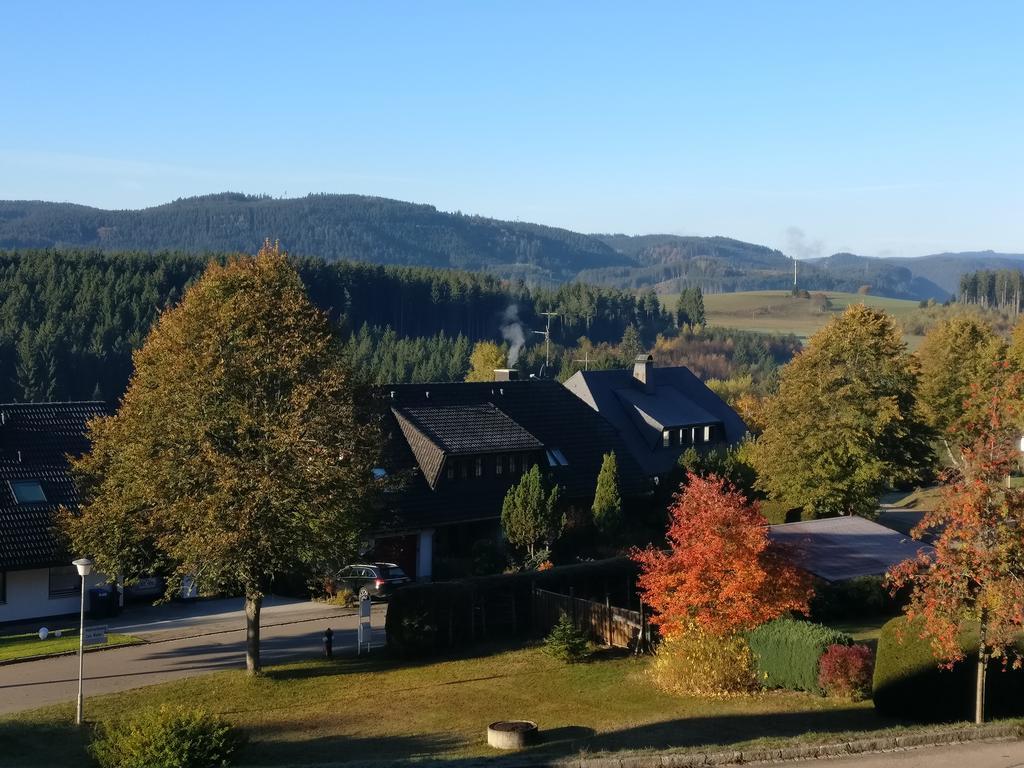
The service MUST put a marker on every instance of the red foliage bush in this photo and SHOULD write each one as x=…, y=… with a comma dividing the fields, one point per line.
x=846, y=671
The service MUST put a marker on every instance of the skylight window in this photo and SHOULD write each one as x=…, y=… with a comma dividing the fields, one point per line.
x=27, y=491
x=556, y=458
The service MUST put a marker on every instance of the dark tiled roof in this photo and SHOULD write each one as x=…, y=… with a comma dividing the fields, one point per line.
x=674, y=398
x=530, y=416
x=436, y=431
x=35, y=439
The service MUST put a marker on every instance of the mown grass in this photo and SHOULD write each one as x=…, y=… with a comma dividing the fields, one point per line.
x=778, y=312
x=319, y=712
x=27, y=645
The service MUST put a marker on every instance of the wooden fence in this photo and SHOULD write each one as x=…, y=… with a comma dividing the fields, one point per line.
x=602, y=622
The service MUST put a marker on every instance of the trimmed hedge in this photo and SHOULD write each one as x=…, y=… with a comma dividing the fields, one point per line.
x=429, y=618
x=787, y=653
x=862, y=596
x=909, y=684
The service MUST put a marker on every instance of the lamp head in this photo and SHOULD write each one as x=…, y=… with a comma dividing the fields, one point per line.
x=84, y=566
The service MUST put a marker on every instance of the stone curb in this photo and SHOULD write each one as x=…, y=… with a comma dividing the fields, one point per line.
x=799, y=752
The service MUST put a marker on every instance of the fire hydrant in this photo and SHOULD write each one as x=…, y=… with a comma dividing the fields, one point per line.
x=328, y=643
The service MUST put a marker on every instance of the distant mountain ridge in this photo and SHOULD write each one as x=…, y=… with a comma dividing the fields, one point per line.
x=384, y=231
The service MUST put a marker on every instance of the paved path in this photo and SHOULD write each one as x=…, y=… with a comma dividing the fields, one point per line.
x=182, y=644
x=999, y=754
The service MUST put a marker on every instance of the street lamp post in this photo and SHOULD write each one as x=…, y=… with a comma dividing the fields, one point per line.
x=84, y=566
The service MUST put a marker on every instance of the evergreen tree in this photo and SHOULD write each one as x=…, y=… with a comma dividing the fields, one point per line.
x=529, y=515
x=631, y=344
x=607, y=506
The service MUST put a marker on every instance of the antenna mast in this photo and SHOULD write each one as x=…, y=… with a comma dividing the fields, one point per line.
x=585, y=360
x=546, y=333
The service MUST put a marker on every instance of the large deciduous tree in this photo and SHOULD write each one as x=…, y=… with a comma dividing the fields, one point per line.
x=955, y=354
x=976, y=577
x=241, y=450
x=844, y=424
x=485, y=357
x=720, y=575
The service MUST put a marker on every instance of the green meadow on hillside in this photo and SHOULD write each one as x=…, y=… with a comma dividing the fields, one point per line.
x=779, y=312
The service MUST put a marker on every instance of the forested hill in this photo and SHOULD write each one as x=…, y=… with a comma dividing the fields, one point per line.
x=331, y=227
x=382, y=231
x=69, y=319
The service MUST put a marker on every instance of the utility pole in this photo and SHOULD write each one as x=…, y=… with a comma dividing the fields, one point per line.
x=546, y=333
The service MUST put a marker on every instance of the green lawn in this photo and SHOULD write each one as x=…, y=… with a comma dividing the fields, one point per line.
x=778, y=312
x=318, y=712
x=20, y=646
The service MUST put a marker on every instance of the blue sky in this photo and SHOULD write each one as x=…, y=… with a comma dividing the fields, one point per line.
x=881, y=128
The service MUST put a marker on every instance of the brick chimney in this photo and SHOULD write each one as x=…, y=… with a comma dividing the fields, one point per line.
x=643, y=372
x=506, y=374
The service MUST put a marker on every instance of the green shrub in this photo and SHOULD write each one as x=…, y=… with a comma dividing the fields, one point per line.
x=566, y=643
x=778, y=512
x=854, y=598
x=908, y=682
x=168, y=737
x=787, y=653
x=697, y=664
x=343, y=597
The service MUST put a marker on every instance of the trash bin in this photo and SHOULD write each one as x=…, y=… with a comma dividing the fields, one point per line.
x=102, y=603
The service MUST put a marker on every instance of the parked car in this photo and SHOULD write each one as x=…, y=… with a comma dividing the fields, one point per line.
x=372, y=580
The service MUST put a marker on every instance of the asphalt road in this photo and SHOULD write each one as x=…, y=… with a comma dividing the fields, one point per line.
x=1000, y=754
x=183, y=643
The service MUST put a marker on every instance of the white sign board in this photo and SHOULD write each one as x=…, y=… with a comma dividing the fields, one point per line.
x=95, y=635
x=364, y=632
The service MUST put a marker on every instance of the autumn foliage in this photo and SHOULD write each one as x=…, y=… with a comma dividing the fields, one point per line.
x=976, y=578
x=720, y=574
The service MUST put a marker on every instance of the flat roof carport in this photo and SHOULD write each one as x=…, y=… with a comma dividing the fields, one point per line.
x=842, y=548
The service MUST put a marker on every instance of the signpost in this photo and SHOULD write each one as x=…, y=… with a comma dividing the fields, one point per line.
x=365, y=630
x=95, y=635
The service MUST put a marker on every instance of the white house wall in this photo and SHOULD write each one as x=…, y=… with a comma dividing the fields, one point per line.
x=28, y=596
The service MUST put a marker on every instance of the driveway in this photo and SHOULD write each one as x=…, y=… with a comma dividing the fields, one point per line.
x=183, y=641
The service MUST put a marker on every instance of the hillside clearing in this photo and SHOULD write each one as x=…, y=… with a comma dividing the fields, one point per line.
x=779, y=312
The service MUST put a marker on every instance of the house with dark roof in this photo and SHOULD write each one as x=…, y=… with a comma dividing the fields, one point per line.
x=456, y=448
x=36, y=575
x=658, y=412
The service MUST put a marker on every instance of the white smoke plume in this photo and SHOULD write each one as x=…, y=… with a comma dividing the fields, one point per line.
x=800, y=247
x=512, y=332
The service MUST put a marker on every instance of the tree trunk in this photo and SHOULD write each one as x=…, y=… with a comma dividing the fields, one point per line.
x=253, y=603
x=979, y=692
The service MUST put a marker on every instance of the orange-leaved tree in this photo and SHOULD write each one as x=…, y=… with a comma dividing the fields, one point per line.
x=975, y=579
x=720, y=575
